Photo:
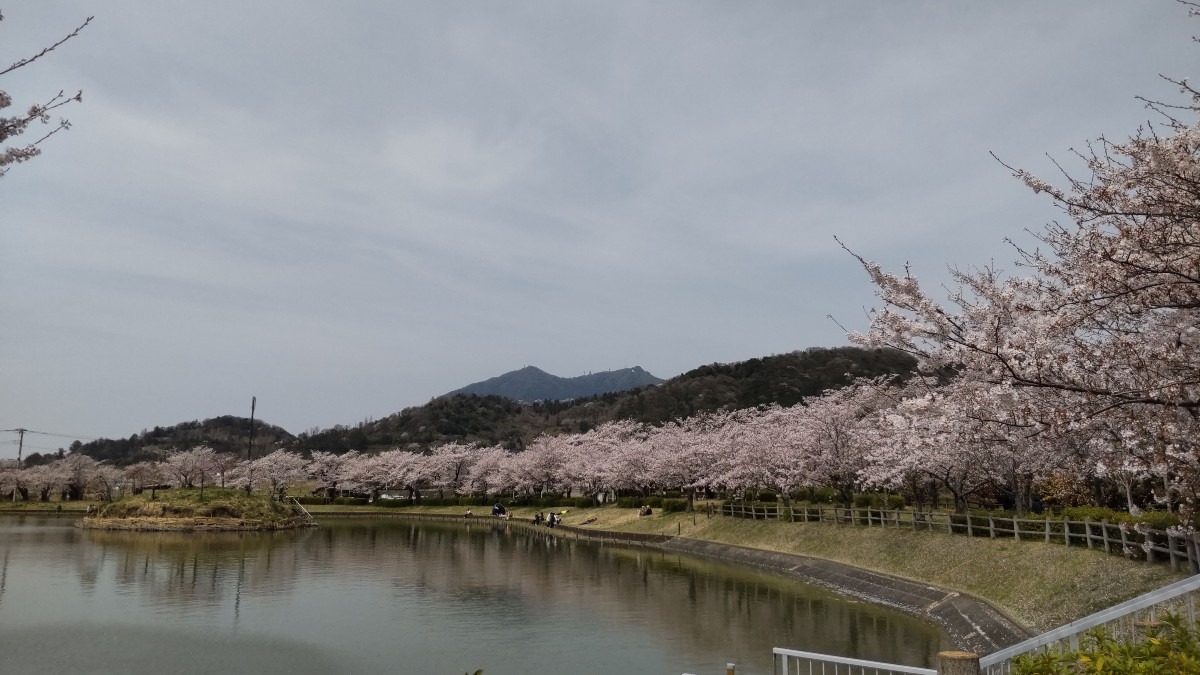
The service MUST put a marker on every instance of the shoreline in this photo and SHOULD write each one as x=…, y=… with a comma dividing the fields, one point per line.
x=971, y=623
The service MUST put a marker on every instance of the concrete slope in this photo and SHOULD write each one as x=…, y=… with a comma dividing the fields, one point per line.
x=972, y=624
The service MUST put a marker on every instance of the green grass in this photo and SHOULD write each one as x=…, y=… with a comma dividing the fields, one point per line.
x=217, y=506
x=1040, y=585
x=37, y=506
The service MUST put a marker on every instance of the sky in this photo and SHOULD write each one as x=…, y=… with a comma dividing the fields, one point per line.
x=346, y=209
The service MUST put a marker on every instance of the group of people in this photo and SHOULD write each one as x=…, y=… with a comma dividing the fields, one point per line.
x=645, y=511
x=550, y=520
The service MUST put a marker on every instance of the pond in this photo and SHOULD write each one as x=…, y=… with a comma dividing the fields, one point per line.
x=396, y=596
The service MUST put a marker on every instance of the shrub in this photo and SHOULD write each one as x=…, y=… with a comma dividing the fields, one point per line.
x=825, y=495
x=1155, y=520
x=1169, y=646
x=350, y=501
x=674, y=505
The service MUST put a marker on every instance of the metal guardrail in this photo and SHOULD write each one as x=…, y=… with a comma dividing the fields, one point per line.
x=793, y=662
x=310, y=516
x=1120, y=621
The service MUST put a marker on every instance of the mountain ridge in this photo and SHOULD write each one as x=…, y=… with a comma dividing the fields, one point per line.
x=530, y=384
x=783, y=379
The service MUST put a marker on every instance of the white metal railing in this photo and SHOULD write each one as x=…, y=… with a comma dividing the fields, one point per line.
x=1120, y=621
x=793, y=662
x=310, y=516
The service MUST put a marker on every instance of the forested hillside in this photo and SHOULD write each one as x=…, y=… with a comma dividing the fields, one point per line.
x=784, y=379
x=223, y=434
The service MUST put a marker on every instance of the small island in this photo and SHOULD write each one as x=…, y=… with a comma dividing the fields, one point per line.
x=193, y=510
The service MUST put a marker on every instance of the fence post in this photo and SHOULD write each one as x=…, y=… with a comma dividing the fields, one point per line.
x=1171, y=552
x=1016, y=529
x=1104, y=535
x=1066, y=532
x=1047, y=529
x=991, y=527
x=1087, y=532
x=957, y=663
x=1124, y=543
x=970, y=530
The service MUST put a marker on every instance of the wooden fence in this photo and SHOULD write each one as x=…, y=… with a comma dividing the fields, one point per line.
x=1153, y=546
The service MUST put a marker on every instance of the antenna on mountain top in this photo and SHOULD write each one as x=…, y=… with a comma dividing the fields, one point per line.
x=250, y=447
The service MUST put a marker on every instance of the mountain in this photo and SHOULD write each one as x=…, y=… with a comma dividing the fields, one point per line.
x=490, y=419
x=227, y=433
x=534, y=384
x=513, y=422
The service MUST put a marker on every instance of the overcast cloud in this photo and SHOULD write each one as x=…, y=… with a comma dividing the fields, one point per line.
x=346, y=209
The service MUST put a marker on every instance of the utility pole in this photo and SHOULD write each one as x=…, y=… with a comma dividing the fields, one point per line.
x=250, y=447
x=20, y=444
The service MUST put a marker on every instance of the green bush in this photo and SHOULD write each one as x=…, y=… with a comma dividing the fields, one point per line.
x=309, y=500
x=768, y=497
x=350, y=501
x=1155, y=520
x=875, y=500
x=825, y=495
x=1169, y=646
x=674, y=505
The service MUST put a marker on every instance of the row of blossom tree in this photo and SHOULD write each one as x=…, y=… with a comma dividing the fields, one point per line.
x=1085, y=369
x=873, y=435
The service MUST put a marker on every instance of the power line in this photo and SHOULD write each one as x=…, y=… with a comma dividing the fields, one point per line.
x=48, y=433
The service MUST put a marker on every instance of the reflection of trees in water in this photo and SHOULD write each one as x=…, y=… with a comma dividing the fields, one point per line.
x=698, y=602
x=205, y=568
x=512, y=574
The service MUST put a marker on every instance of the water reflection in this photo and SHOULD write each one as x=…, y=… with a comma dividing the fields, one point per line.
x=441, y=598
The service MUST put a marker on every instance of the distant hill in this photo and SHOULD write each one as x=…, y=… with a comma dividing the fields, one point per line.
x=531, y=384
x=492, y=419
x=785, y=379
x=223, y=434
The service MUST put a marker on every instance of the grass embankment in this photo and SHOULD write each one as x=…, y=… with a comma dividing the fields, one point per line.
x=21, y=506
x=1042, y=586
x=186, y=510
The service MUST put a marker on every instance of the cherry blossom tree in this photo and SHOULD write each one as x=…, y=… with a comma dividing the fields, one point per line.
x=490, y=472
x=79, y=471
x=278, y=470
x=147, y=474
x=326, y=469
x=187, y=467
x=448, y=466
x=45, y=479
x=1104, y=321
x=11, y=127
